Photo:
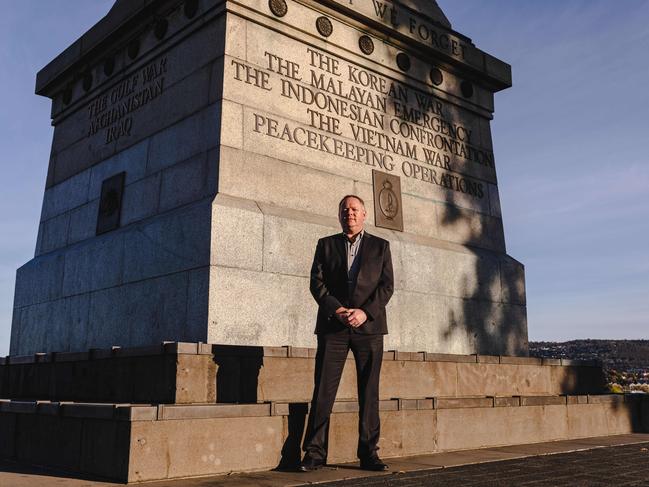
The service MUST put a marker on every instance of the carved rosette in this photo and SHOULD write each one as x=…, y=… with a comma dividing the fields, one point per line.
x=324, y=26
x=466, y=87
x=366, y=45
x=403, y=61
x=278, y=7
x=436, y=76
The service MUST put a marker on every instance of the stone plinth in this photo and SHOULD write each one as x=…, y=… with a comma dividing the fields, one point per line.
x=186, y=373
x=236, y=128
x=131, y=443
x=190, y=409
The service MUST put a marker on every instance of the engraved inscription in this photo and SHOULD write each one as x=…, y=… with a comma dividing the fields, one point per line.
x=112, y=112
x=364, y=117
x=415, y=27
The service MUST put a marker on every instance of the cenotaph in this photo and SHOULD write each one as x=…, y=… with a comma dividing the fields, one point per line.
x=164, y=328
x=200, y=149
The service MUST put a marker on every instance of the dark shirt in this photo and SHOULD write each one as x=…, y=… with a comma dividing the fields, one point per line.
x=353, y=260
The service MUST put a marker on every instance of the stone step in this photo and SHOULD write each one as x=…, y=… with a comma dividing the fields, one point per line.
x=126, y=442
x=185, y=373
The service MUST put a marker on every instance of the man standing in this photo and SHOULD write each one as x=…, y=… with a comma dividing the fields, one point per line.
x=351, y=280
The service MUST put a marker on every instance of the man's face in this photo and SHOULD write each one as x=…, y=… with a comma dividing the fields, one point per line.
x=352, y=216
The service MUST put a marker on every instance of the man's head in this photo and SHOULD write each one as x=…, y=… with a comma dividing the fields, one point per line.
x=351, y=214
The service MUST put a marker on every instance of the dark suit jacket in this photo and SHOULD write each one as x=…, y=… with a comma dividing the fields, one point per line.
x=374, y=285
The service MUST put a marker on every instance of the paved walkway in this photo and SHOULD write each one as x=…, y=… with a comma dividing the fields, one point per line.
x=606, y=461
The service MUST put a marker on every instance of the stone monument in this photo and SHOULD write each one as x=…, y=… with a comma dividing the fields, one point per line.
x=164, y=328
x=200, y=149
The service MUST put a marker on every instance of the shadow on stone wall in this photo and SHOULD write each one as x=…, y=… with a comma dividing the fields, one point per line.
x=237, y=373
x=591, y=381
x=478, y=316
x=492, y=326
x=296, y=424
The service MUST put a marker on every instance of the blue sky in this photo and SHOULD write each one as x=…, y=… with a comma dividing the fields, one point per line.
x=569, y=140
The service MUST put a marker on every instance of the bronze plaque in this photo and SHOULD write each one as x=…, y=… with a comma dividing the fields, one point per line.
x=110, y=203
x=388, y=207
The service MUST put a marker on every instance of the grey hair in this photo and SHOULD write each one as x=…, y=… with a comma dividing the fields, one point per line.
x=340, y=205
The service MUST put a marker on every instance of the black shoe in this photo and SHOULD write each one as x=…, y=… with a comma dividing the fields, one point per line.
x=374, y=464
x=309, y=464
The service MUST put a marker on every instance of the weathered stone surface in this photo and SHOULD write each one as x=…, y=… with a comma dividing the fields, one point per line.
x=164, y=449
x=233, y=173
x=606, y=399
x=97, y=264
x=140, y=313
x=176, y=241
x=83, y=222
x=186, y=182
x=32, y=338
x=186, y=373
x=38, y=281
x=104, y=448
x=500, y=402
x=580, y=399
x=66, y=196
x=313, y=194
x=290, y=256
x=542, y=400
x=449, y=357
x=520, y=360
x=186, y=76
x=237, y=233
x=499, y=426
x=132, y=161
x=202, y=411
x=463, y=402
x=139, y=446
x=418, y=380
x=189, y=137
x=53, y=234
x=622, y=418
x=240, y=307
x=195, y=379
x=587, y=420
x=136, y=413
x=505, y=380
x=141, y=199
x=198, y=283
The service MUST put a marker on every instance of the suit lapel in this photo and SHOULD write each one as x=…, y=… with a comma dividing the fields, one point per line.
x=342, y=252
x=361, y=255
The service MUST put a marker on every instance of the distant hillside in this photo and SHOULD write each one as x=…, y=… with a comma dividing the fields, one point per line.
x=625, y=361
x=630, y=352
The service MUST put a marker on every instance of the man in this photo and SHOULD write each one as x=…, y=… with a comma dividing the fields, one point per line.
x=351, y=280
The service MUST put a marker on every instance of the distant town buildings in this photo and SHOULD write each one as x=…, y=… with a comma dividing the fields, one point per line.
x=626, y=362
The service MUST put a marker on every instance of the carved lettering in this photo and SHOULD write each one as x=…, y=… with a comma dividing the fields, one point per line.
x=387, y=13
x=251, y=75
x=113, y=111
x=314, y=140
x=416, y=27
x=365, y=117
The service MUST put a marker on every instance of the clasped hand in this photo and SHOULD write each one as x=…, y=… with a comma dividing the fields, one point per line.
x=353, y=317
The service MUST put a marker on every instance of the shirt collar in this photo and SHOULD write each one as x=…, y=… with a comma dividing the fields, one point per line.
x=358, y=238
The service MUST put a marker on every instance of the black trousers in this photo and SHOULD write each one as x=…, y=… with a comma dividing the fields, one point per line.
x=330, y=360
